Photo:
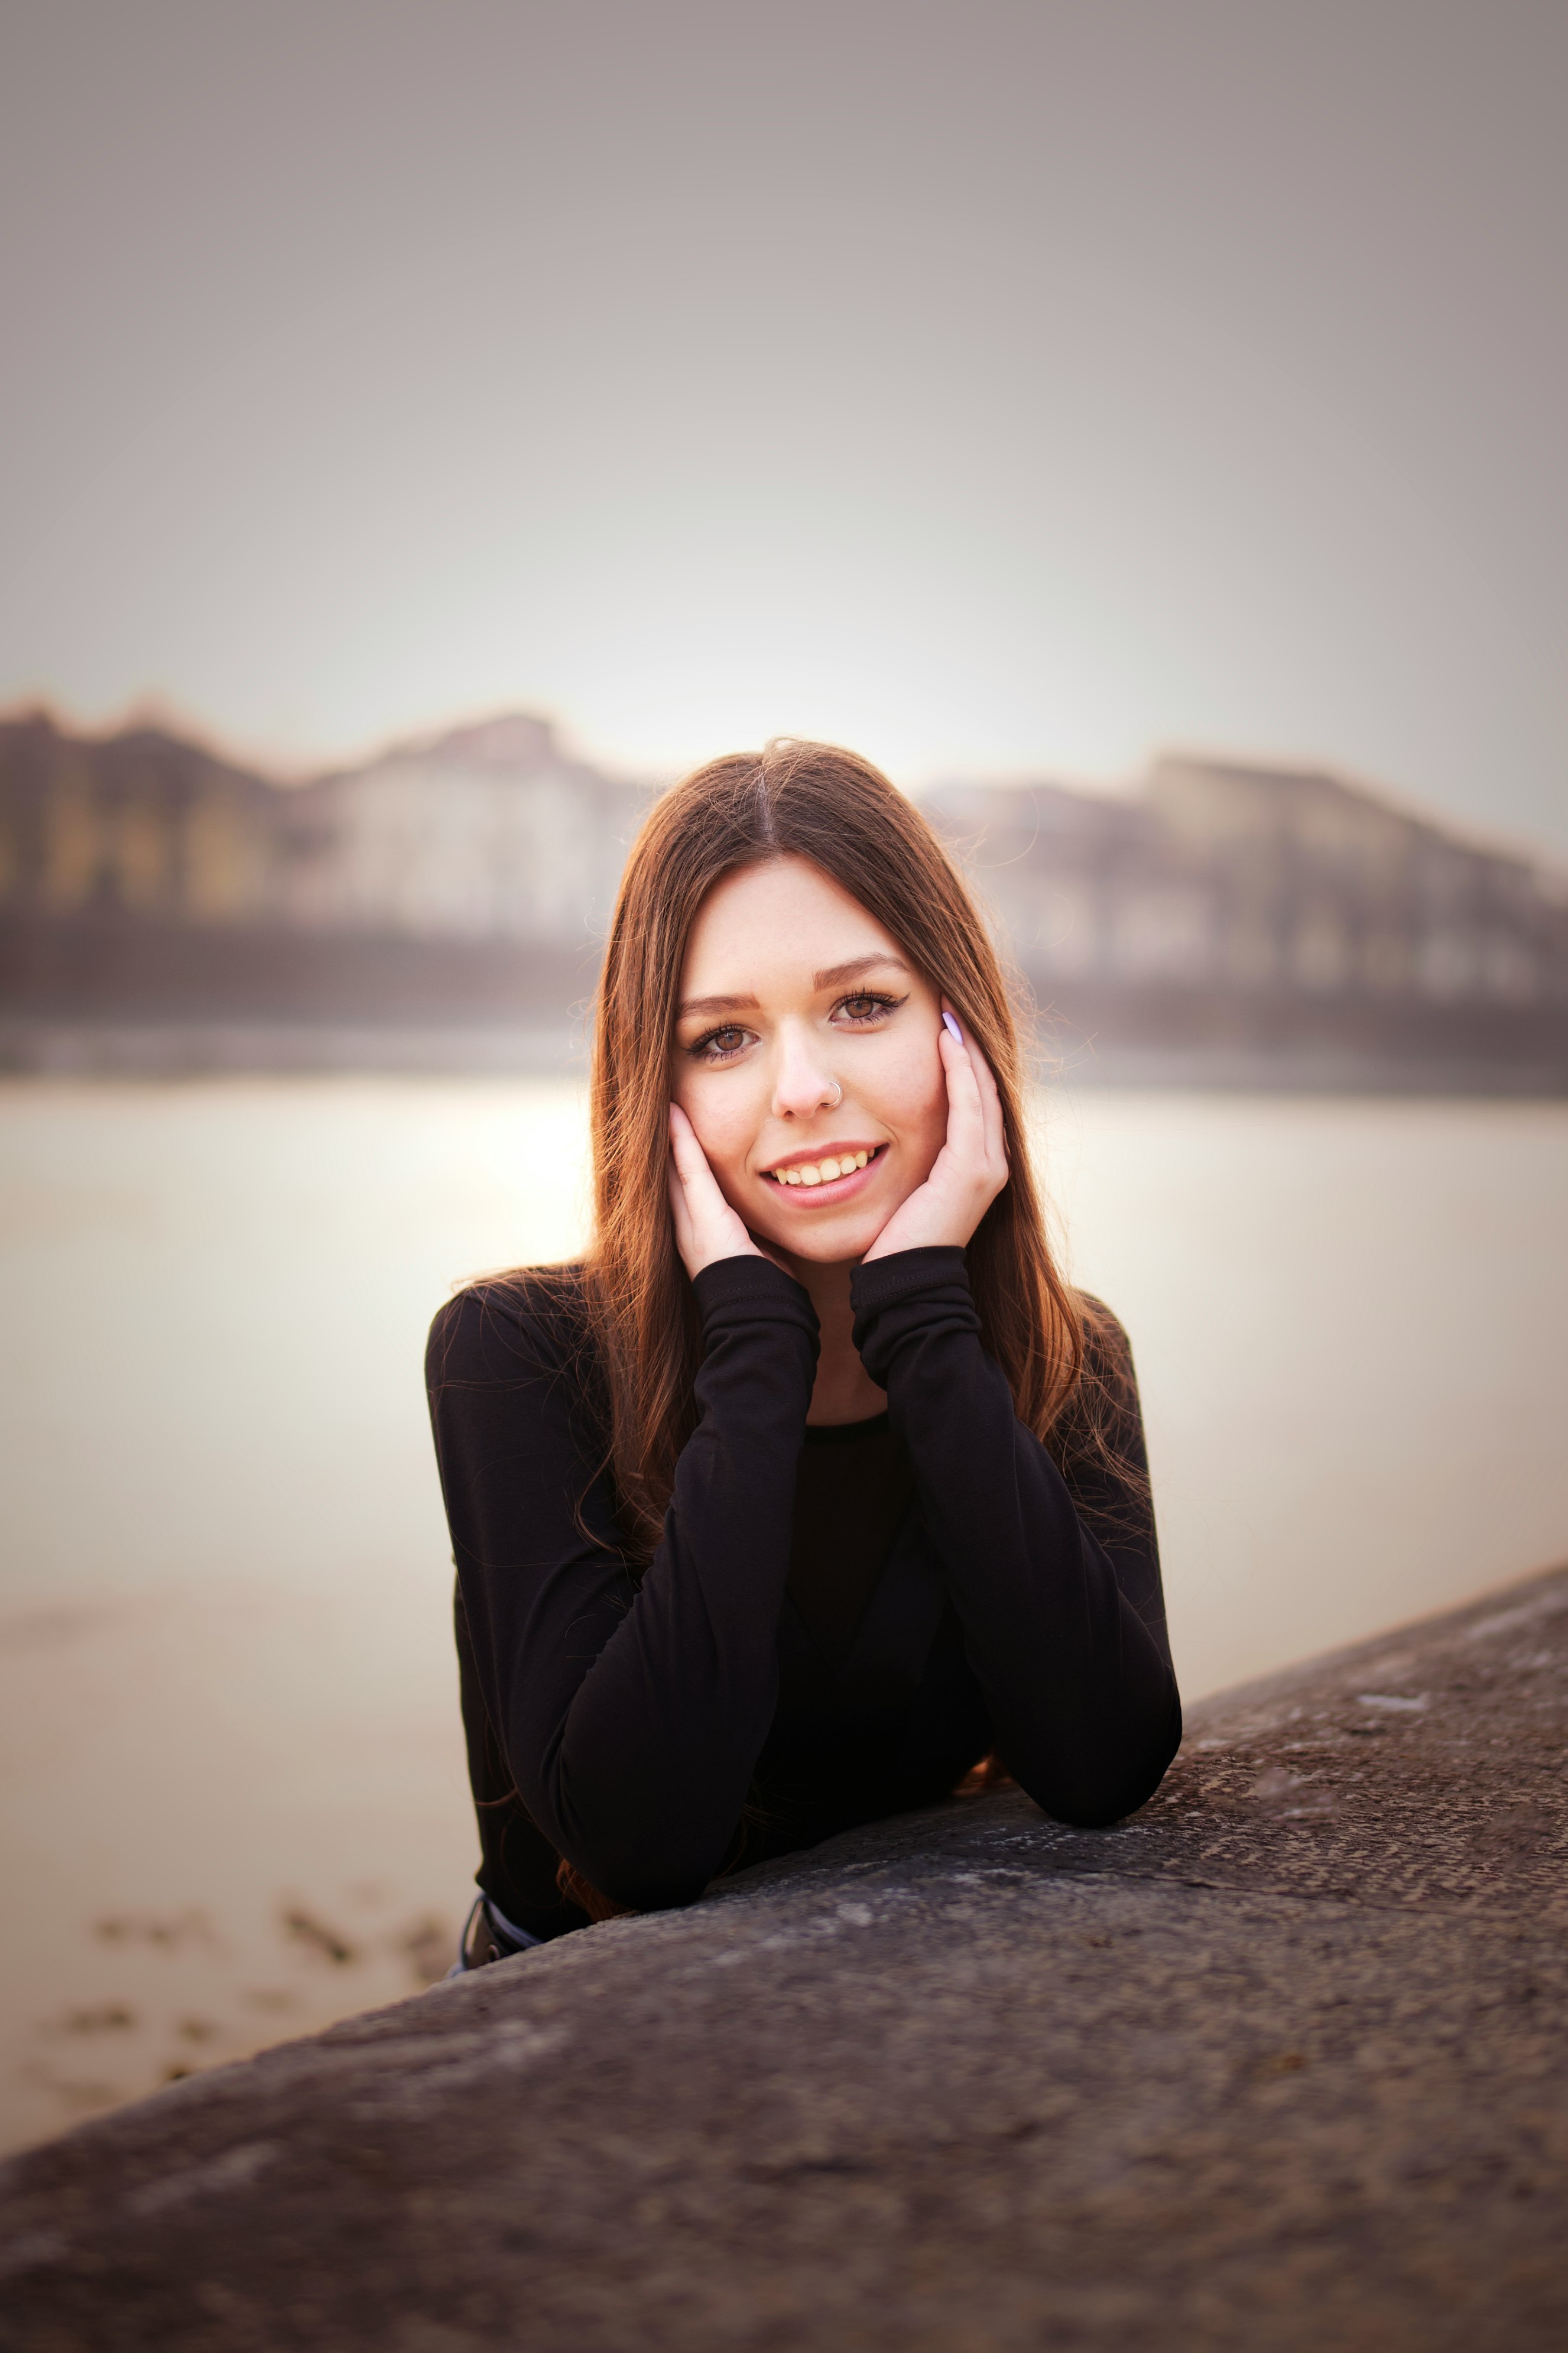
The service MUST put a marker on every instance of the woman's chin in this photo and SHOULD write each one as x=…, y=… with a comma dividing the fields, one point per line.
x=834, y=1240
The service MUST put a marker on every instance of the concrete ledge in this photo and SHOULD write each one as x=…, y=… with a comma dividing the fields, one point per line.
x=1282, y=2063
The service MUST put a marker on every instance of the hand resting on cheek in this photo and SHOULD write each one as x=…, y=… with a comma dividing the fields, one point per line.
x=971, y=1166
x=706, y=1227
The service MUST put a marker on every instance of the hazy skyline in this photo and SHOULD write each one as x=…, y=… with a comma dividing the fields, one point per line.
x=1005, y=388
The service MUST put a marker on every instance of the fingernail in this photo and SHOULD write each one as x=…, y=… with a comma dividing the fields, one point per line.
x=953, y=1026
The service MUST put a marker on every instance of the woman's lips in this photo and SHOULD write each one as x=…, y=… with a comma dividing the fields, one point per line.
x=805, y=1180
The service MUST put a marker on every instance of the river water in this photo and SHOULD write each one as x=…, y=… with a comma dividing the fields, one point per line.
x=231, y=1781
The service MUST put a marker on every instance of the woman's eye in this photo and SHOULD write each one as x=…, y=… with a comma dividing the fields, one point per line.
x=866, y=1006
x=719, y=1045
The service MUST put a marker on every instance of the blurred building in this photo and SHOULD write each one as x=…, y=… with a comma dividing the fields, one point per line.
x=1257, y=881
x=486, y=833
x=161, y=908
x=489, y=833
x=1225, y=921
x=1232, y=924
x=138, y=824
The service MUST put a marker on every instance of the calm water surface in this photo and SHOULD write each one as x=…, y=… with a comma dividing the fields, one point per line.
x=225, y=1661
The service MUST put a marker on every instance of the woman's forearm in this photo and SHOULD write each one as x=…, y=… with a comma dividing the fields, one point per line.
x=643, y=1783
x=1062, y=1620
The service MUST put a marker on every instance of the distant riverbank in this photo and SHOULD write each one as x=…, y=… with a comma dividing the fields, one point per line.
x=541, y=1048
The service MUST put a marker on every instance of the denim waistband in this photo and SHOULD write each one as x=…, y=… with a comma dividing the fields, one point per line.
x=519, y=1937
x=505, y=1934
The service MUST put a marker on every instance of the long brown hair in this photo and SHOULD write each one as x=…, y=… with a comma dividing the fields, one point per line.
x=813, y=801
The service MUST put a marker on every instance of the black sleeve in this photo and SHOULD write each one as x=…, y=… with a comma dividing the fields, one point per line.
x=1057, y=1586
x=631, y=1713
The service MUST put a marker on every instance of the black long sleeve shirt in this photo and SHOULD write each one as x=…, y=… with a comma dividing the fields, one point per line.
x=764, y=1683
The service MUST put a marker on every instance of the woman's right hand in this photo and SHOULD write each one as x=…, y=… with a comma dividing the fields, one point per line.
x=706, y=1226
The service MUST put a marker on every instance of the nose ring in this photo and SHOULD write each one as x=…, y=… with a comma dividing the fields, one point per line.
x=838, y=1096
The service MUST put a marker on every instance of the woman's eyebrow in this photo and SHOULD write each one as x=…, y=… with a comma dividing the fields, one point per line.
x=837, y=974
x=716, y=1005
x=834, y=977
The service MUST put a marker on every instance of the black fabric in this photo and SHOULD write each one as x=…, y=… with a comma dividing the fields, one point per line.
x=835, y=1626
x=852, y=1491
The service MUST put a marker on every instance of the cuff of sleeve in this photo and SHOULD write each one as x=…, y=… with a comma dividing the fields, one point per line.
x=904, y=1303
x=754, y=1284
x=906, y=1274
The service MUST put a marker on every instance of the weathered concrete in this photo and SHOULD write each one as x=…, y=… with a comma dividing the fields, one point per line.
x=1283, y=2062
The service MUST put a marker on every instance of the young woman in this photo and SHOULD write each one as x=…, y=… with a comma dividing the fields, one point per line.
x=812, y=1488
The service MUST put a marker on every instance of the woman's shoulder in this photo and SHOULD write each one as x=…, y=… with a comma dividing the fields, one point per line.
x=1107, y=1350
x=513, y=1326
x=1104, y=1404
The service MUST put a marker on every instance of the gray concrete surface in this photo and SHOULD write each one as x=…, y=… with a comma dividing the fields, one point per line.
x=1282, y=2063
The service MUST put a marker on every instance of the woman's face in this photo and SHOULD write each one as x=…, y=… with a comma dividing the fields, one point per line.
x=790, y=992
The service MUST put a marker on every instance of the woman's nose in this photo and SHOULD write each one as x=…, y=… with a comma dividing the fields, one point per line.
x=803, y=1086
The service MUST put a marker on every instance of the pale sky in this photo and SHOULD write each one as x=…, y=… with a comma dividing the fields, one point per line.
x=996, y=387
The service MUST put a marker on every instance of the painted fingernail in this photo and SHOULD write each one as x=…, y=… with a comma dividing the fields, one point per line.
x=953, y=1025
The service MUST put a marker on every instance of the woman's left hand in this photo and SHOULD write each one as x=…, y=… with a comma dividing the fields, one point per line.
x=968, y=1172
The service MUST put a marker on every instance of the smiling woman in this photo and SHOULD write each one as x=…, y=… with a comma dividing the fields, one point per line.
x=812, y=1488
x=773, y=1150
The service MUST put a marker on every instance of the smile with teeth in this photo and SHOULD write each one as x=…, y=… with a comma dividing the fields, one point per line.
x=822, y=1172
